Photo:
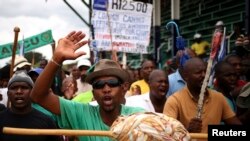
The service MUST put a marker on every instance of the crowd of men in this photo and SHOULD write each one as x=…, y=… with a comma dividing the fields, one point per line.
x=95, y=95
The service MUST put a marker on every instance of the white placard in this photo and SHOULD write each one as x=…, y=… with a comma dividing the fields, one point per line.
x=129, y=23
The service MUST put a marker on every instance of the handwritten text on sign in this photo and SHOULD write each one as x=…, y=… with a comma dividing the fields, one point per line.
x=129, y=24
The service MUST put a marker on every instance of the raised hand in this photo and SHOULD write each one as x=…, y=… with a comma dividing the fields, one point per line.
x=67, y=46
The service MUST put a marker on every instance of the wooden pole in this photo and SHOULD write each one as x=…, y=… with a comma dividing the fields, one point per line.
x=25, y=131
x=16, y=30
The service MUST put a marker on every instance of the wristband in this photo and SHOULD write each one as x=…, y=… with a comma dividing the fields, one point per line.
x=52, y=60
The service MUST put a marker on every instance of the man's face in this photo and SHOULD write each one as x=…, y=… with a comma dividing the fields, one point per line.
x=108, y=92
x=236, y=62
x=227, y=79
x=83, y=72
x=147, y=68
x=195, y=74
x=75, y=72
x=159, y=85
x=43, y=64
x=19, y=95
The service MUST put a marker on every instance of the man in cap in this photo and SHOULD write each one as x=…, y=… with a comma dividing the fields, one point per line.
x=219, y=25
x=34, y=73
x=21, y=114
x=107, y=80
x=83, y=65
x=200, y=46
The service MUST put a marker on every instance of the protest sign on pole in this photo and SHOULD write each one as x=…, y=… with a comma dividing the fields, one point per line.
x=30, y=43
x=129, y=22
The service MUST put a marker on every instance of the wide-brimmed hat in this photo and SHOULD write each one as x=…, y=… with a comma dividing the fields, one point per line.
x=106, y=67
x=243, y=100
x=20, y=62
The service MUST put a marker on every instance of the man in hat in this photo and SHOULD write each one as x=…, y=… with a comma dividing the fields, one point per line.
x=21, y=63
x=34, y=73
x=107, y=80
x=21, y=114
x=83, y=65
x=200, y=46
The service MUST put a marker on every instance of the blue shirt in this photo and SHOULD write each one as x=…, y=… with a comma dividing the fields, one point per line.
x=176, y=82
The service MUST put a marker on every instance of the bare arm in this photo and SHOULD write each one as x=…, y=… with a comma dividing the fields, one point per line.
x=233, y=120
x=65, y=50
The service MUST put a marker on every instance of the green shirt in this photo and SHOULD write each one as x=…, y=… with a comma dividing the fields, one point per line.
x=75, y=115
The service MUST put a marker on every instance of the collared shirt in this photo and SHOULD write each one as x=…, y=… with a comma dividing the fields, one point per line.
x=183, y=107
x=176, y=82
x=142, y=101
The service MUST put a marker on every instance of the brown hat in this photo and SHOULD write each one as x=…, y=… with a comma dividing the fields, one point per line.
x=243, y=100
x=106, y=67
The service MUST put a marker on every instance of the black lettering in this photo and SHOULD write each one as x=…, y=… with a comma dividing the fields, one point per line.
x=131, y=5
x=115, y=4
x=144, y=7
x=138, y=7
x=124, y=4
x=120, y=4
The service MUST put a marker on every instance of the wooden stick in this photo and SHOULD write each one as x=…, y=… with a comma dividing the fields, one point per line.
x=16, y=30
x=25, y=131
x=198, y=135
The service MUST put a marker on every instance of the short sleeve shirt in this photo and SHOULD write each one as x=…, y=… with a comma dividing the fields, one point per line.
x=182, y=106
x=75, y=115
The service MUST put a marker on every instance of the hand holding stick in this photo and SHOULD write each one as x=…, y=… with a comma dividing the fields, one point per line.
x=216, y=41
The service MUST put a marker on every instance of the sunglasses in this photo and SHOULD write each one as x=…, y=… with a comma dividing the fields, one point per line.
x=101, y=83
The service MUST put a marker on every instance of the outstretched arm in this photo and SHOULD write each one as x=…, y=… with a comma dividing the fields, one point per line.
x=65, y=50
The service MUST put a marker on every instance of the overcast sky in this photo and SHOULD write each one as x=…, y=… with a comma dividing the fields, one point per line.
x=36, y=16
